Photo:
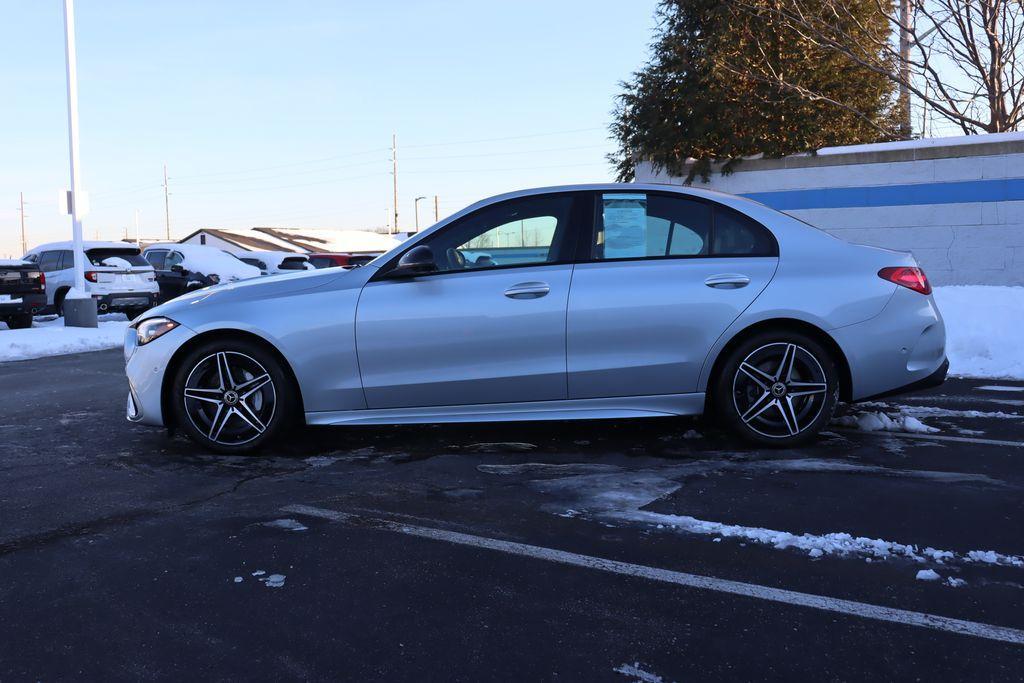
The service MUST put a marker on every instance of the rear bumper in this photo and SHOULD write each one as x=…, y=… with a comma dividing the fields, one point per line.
x=30, y=303
x=122, y=301
x=933, y=380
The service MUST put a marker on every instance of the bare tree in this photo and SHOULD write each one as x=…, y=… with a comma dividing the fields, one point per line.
x=964, y=59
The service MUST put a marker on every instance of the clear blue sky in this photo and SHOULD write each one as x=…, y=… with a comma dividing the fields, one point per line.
x=281, y=113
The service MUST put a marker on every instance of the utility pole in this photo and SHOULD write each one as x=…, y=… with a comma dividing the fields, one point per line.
x=138, y=240
x=416, y=209
x=436, y=218
x=24, y=244
x=79, y=310
x=167, y=206
x=904, y=69
x=394, y=176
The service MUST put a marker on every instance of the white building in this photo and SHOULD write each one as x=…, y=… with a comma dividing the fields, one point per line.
x=956, y=203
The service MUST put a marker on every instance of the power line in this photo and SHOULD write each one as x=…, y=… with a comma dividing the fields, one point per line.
x=289, y=165
x=498, y=154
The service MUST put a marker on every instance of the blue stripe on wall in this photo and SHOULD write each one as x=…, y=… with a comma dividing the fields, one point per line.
x=959, y=192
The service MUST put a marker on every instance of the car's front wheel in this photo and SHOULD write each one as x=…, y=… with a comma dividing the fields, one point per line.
x=232, y=396
x=777, y=388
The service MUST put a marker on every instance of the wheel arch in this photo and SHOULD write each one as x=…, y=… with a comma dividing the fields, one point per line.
x=789, y=325
x=220, y=335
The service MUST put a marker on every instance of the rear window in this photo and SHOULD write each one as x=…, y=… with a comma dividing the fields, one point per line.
x=132, y=256
x=322, y=262
x=293, y=264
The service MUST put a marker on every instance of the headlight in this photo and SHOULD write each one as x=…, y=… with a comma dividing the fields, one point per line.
x=152, y=328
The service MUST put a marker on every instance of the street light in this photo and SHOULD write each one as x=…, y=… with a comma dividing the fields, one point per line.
x=416, y=210
x=79, y=307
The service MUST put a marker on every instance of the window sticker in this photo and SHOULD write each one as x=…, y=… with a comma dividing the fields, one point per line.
x=625, y=225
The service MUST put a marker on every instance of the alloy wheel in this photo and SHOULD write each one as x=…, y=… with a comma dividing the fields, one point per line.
x=230, y=398
x=779, y=390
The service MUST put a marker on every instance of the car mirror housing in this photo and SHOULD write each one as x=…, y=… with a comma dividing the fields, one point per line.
x=177, y=268
x=417, y=261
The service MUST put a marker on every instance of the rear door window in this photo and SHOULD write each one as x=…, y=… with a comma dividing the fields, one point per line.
x=67, y=259
x=49, y=261
x=633, y=225
x=156, y=258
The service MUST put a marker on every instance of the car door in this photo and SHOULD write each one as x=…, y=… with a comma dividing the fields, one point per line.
x=488, y=326
x=49, y=263
x=660, y=279
x=175, y=276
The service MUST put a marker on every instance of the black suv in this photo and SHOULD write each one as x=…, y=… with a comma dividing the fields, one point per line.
x=22, y=293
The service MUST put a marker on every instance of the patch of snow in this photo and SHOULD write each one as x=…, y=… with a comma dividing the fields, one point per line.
x=544, y=468
x=13, y=262
x=692, y=434
x=258, y=572
x=117, y=262
x=637, y=674
x=76, y=293
x=933, y=411
x=287, y=524
x=981, y=339
x=927, y=575
x=998, y=387
x=238, y=579
x=320, y=461
x=51, y=338
x=275, y=580
x=881, y=422
x=992, y=557
x=955, y=582
x=500, y=446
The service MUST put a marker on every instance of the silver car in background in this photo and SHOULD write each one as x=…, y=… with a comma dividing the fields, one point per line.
x=577, y=302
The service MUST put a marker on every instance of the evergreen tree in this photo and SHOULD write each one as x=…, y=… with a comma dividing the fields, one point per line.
x=730, y=79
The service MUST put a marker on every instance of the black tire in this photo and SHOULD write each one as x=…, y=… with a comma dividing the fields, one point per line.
x=19, y=321
x=58, y=303
x=222, y=417
x=756, y=399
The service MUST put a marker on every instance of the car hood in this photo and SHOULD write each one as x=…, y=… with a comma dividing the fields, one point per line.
x=247, y=290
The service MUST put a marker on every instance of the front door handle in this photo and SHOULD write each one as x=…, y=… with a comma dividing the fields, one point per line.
x=727, y=281
x=527, y=290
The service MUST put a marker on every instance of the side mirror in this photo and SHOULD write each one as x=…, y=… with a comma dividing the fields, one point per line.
x=177, y=268
x=417, y=261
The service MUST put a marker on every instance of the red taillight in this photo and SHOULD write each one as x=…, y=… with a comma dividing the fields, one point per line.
x=91, y=276
x=42, y=279
x=905, y=276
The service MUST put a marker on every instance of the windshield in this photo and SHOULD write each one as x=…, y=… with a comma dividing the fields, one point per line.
x=132, y=256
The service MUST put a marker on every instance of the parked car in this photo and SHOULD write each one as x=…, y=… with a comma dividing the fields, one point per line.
x=276, y=262
x=116, y=275
x=22, y=292
x=682, y=301
x=182, y=268
x=334, y=260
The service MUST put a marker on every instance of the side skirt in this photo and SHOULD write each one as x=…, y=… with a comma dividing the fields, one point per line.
x=666, y=405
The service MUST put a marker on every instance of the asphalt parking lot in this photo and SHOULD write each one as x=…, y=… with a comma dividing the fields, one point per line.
x=655, y=550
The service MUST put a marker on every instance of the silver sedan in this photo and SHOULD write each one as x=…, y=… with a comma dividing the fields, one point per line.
x=578, y=302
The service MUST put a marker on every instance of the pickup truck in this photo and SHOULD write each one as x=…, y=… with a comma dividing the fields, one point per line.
x=22, y=292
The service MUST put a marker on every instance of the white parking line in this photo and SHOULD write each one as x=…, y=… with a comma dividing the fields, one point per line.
x=998, y=387
x=750, y=590
x=934, y=437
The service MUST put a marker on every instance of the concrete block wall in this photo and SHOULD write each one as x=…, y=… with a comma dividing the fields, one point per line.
x=956, y=203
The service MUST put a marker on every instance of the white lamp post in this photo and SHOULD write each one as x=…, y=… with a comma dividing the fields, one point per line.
x=79, y=308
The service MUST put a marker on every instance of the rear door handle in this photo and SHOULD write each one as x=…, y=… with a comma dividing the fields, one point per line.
x=528, y=290
x=727, y=281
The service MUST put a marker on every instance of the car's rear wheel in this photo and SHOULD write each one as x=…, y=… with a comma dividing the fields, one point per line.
x=232, y=396
x=777, y=388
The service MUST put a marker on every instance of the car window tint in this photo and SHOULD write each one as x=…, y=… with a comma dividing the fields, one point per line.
x=67, y=259
x=156, y=258
x=517, y=232
x=297, y=263
x=639, y=225
x=49, y=261
x=321, y=262
x=738, y=235
x=132, y=256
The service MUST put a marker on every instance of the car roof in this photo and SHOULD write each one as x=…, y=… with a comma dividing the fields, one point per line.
x=86, y=244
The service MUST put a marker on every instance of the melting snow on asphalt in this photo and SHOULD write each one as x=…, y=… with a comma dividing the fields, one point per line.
x=287, y=524
x=619, y=495
x=881, y=422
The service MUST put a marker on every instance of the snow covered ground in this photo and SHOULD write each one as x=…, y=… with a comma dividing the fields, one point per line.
x=983, y=330
x=49, y=337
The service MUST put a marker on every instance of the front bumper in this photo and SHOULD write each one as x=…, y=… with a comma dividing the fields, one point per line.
x=29, y=303
x=146, y=368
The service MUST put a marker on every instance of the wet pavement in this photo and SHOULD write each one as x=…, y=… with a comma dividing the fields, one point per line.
x=538, y=551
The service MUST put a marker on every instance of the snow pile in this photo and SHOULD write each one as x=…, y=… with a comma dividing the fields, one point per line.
x=928, y=575
x=881, y=422
x=51, y=338
x=983, y=330
x=213, y=261
x=117, y=262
